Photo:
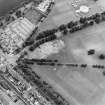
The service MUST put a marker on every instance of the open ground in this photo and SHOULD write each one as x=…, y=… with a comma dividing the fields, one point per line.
x=78, y=86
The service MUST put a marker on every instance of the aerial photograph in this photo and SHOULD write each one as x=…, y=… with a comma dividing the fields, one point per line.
x=52, y=52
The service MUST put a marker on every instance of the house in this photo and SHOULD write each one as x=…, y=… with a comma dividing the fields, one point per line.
x=43, y=6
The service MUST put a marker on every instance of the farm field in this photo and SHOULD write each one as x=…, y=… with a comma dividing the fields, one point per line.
x=78, y=86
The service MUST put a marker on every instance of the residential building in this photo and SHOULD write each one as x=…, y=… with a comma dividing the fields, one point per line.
x=44, y=5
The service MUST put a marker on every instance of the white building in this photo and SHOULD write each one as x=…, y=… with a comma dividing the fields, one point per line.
x=43, y=6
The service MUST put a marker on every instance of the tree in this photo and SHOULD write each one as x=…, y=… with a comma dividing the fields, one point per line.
x=97, y=15
x=28, y=43
x=86, y=24
x=35, y=75
x=62, y=27
x=101, y=57
x=50, y=38
x=84, y=65
x=69, y=25
x=97, y=20
x=31, y=48
x=28, y=61
x=103, y=13
x=83, y=20
x=95, y=0
x=46, y=33
x=80, y=27
x=35, y=45
x=103, y=17
x=89, y=18
x=91, y=52
x=72, y=24
x=103, y=73
x=1, y=24
x=40, y=36
x=75, y=23
x=72, y=30
x=11, y=12
x=77, y=28
x=54, y=30
x=8, y=18
x=65, y=32
x=91, y=23
x=18, y=50
x=93, y=17
x=12, y=18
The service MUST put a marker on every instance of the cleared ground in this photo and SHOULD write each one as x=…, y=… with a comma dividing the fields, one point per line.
x=78, y=86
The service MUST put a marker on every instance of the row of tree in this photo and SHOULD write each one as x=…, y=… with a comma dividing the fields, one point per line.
x=84, y=66
x=97, y=66
x=72, y=26
x=83, y=23
x=35, y=61
x=45, y=34
x=101, y=57
x=42, y=41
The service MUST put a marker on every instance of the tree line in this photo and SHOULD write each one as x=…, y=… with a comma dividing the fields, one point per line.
x=71, y=27
x=43, y=87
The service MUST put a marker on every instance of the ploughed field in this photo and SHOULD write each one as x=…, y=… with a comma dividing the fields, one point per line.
x=77, y=85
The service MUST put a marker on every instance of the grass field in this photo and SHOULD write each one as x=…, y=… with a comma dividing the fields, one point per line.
x=78, y=86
